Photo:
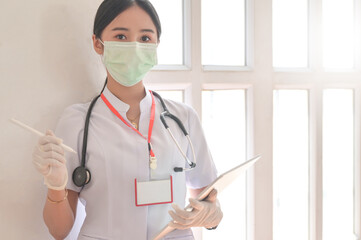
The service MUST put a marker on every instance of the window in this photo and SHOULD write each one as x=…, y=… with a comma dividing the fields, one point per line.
x=338, y=37
x=226, y=135
x=290, y=165
x=175, y=95
x=293, y=118
x=338, y=173
x=290, y=33
x=171, y=17
x=223, y=32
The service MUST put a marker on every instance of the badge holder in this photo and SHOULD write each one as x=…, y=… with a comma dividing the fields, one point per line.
x=153, y=192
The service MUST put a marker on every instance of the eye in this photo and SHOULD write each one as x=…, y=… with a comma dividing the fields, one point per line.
x=121, y=37
x=145, y=39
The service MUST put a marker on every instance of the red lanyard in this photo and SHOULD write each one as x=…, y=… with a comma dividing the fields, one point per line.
x=151, y=120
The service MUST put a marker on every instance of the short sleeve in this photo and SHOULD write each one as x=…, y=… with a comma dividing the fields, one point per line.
x=70, y=128
x=205, y=171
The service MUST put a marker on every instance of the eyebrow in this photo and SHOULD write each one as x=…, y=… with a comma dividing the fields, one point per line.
x=127, y=29
x=147, y=30
x=120, y=29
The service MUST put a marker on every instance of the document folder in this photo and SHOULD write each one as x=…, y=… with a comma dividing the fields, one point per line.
x=219, y=184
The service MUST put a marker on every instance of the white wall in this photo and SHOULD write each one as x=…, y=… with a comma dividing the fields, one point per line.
x=46, y=63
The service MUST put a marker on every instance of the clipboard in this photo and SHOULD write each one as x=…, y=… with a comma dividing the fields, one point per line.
x=219, y=184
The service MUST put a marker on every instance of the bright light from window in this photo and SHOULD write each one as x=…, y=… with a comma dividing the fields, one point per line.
x=337, y=164
x=225, y=130
x=223, y=32
x=338, y=34
x=290, y=165
x=171, y=40
x=290, y=33
x=175, y=95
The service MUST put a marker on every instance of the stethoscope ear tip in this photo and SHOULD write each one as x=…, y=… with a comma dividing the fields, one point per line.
x=178, y=169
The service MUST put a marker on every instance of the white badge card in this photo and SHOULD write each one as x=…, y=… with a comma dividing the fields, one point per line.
x=153, y=192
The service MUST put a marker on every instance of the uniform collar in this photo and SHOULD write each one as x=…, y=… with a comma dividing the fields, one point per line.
x=146, y=102
x=122, y=107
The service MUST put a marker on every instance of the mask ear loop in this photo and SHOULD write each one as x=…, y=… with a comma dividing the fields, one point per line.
x=102, y=56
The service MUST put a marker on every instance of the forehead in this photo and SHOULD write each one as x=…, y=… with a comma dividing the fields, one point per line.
x=134, y=18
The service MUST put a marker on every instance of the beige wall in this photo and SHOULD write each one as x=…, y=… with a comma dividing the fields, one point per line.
x=46, y=63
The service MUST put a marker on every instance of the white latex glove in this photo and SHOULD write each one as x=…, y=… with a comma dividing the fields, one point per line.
x=49, y=160
x=206, y=213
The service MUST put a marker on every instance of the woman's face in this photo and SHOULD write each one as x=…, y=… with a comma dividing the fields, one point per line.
x=134, y=24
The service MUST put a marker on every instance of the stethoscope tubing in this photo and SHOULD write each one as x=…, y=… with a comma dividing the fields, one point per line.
x=165, y=114
x=190, y=163
x=81, y=175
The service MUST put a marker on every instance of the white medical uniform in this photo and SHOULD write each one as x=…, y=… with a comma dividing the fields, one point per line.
x=116, y=155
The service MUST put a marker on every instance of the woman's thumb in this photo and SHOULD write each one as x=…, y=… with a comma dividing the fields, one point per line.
x=212, y=196
x=51, y=133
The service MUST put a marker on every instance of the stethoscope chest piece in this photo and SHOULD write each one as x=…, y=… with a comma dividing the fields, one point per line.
x=81, y=176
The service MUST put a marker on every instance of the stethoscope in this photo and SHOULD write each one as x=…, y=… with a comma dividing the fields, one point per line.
x=82, y=175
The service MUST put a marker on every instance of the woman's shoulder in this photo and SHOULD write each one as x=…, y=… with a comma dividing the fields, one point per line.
x=77, y=111
x=73, y=117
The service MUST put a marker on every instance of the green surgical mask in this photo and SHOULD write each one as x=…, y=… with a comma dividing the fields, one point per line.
x=129, y=62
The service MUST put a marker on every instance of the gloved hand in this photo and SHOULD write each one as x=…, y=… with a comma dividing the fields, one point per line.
x=206, y=213
x=49, y=160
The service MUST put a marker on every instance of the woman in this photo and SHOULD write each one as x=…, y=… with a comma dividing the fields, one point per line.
x=123, y=143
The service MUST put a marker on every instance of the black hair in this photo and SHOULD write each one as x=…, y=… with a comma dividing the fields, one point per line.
x=110, y=9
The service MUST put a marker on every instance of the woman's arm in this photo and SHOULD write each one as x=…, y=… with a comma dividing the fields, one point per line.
x=59, y=217
x=60, y=207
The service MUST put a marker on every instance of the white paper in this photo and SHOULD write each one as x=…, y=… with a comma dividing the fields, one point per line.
x=153, y=192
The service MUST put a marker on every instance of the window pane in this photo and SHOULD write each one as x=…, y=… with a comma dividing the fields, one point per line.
x=338, y=37
x=290, y=165
x=226, y=134
x=175, y=95
x=171, y=40
x=290, y=33
x=338, y=165
x=223, y=32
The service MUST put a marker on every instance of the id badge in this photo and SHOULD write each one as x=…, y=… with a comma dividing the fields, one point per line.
x=153, y=192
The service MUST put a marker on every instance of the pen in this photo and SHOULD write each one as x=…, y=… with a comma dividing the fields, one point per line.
x=17, y=122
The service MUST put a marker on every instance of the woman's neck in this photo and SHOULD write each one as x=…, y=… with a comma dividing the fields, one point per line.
x=130, y=95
